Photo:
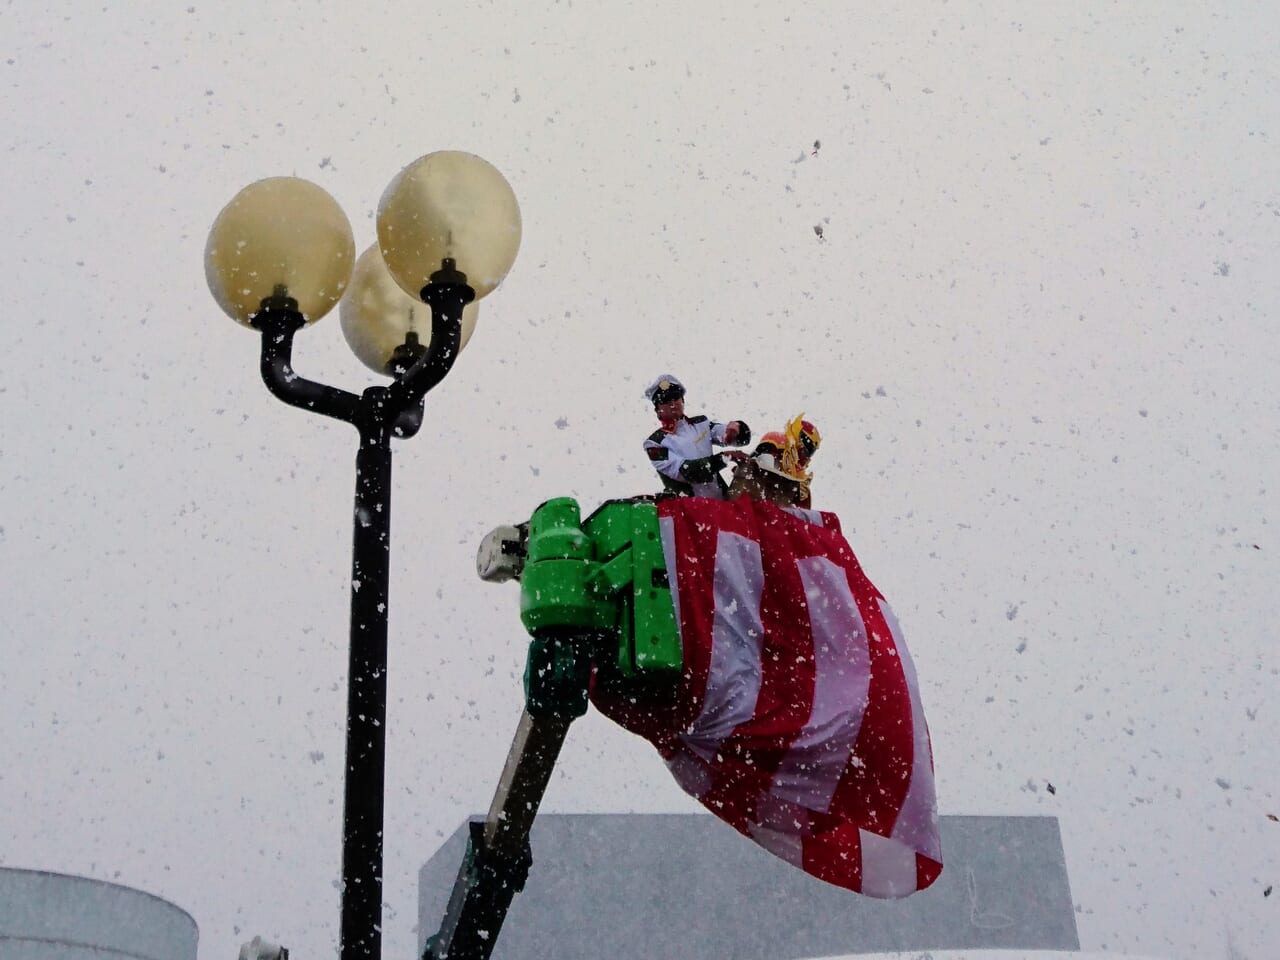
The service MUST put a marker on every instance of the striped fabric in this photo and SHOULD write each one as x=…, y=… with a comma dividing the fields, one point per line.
x=798, y=720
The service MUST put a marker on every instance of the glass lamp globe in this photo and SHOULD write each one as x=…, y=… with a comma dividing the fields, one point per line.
x=377, y=316
x=279, y=232
x=449, y=204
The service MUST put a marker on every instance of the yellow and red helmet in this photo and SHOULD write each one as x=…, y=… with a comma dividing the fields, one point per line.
x=775, y=439
x=804, y=435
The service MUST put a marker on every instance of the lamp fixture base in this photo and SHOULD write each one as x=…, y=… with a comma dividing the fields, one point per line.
x=279, y=309
x=447, y=274
x=405, y=355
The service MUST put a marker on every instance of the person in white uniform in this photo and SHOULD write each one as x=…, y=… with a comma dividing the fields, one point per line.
x=681, y=449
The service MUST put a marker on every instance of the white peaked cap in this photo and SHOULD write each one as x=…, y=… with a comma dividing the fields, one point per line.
x=663, y=382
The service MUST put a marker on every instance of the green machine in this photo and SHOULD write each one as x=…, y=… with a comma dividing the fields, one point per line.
x=596, y=599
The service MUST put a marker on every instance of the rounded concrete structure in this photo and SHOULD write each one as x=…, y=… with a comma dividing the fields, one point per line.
x=53, y=916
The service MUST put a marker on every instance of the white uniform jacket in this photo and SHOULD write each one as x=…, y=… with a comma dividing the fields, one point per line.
x=684, y=459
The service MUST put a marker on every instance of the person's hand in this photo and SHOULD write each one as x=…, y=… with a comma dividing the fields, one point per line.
x=735, y=455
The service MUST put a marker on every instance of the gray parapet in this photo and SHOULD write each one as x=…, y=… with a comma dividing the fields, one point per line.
x=639, y=886
x=53, y=916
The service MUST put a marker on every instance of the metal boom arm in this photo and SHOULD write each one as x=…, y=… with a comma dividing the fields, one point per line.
x=498, y=855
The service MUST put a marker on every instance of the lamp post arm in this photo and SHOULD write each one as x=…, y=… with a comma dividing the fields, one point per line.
x=278, y=327
x=446, y=301
x=409, y=420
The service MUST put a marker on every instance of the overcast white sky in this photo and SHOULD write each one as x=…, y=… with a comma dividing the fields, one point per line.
x=1038, y=334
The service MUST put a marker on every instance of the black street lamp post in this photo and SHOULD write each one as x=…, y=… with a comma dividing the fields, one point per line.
x=275, y=219
x=377, y=414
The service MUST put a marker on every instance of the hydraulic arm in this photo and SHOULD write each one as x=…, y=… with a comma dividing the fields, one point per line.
x=595, y=599
x=498, y=856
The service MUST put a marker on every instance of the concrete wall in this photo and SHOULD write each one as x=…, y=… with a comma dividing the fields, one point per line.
x=635, y=887
x=52, y=916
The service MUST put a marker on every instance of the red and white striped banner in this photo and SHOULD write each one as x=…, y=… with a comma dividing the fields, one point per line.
x=798, y=719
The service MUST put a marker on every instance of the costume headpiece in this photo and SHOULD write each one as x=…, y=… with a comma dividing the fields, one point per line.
x=665, y=388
